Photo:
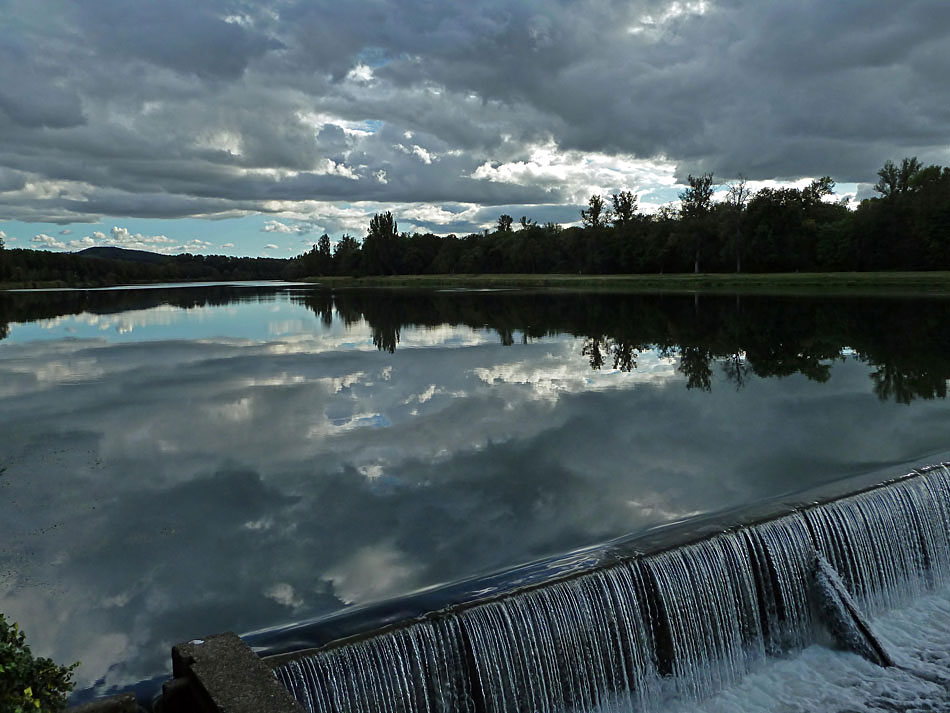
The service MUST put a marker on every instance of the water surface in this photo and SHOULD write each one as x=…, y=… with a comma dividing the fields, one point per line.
x=181, y=461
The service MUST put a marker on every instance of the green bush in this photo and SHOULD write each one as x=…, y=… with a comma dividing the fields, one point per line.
x=29, y=684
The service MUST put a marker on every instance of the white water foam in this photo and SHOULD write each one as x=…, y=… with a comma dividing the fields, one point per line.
x=822, y=679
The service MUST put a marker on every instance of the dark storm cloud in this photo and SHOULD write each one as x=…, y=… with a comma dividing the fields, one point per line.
x=226, y=107
x=30, y=94
x=11, y=180
x=184, y=36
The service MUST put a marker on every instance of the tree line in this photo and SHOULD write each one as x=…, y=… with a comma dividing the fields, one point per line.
x=905, y=227
x=28, y=268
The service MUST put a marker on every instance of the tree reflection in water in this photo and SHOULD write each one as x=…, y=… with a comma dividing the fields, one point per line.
x=903, y=339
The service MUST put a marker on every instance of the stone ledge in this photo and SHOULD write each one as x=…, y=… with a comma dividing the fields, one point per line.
x=221, y=674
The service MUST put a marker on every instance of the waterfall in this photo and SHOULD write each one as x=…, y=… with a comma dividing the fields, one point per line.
x=682, y=623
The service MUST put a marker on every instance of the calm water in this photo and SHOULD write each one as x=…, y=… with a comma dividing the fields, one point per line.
x=176, y=462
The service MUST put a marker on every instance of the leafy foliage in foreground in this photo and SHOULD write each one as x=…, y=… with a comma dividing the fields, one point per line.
x=28, y=683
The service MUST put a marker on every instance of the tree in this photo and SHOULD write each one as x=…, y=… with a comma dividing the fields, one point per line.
x=504, y=223
x=893, y=180
x=695, y=203
x=527, y=224
x=383, y=226
x=323, y=245
x=909, y=169
x=696, y=200
x=817, y=189
x=737, y=195
x=887, y=179
x=595, y=215
x=319, y=261
x=625, y=207
x=28, y=683
x=346, y=256
x=380, y=253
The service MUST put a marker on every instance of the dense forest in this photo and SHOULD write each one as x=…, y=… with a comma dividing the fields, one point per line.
x=905, y=227
x=41, y=267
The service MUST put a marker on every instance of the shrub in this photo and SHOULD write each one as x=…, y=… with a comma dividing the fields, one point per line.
x=29, y=684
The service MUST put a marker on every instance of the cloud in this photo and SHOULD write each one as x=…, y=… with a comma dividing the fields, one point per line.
x=227, y=245
x=178, y=36
x=271, y=246
x=82, y=243
x=284, y=594
x=48, y=241
x=124, y=238
x=283, y=108
x=454, y=457
x=275, y=226
x=11, y=180
x=194, y=245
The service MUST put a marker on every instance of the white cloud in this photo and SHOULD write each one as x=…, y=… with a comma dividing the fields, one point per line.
x=65, y=231
x=193, y=246
x=124, y=238
x=48, y=241
x=425, y=214
x=275, y=226
x=418, y=151
x=579, y=174
x=227, y=245
x=283, y=593
x=372, y=573
x=361, y=73
x=423, y=154
x=82, y=243
x=271, y=246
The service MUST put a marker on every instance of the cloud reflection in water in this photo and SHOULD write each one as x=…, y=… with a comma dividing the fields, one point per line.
x=160, y=490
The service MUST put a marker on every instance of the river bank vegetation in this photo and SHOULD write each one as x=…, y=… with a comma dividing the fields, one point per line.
x=905, y=227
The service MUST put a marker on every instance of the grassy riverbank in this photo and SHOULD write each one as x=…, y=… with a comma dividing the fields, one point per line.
x=930, y=283
x=838, y=282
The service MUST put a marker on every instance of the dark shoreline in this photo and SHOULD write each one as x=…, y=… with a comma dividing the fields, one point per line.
x=837, y=283
x=929, y=283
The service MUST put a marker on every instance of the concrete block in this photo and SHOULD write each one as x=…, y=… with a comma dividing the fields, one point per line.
x=221, y=674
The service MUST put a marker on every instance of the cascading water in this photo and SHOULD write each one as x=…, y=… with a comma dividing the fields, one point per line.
x=679, y=624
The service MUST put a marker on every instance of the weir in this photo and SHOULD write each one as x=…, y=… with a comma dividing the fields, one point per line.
x=652, y=621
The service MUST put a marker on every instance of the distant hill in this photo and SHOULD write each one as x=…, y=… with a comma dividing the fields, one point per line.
x=123, y=254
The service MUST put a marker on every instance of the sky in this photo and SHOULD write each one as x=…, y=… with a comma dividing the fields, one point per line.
x=250, y=128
